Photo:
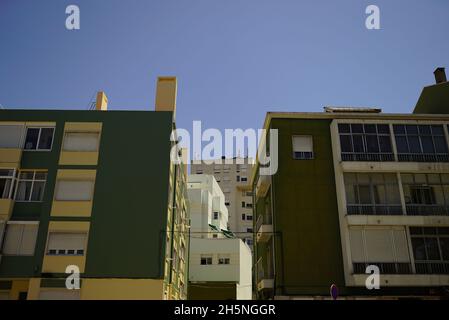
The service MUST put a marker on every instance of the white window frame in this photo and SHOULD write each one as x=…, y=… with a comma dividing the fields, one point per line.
x=13, y=182
x=18, y=180
x=38, y=138
x=293, y=146
x=223, y=258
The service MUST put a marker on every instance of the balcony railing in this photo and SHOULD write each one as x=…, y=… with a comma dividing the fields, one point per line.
x=353, y=156
x=423, y=157
x=374, y=209
x=432, y=267
x=384, y=267
x=427, y=210
x=263, y=219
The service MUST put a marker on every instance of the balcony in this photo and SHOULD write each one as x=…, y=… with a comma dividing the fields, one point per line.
x=432, y=267
x=263, y=184
x=427, y=210
x=264, y=227
x=10, y=157
x=374, y=209
x=384, y=267
x=265, y=277
x=353, y=156
x=423, y=157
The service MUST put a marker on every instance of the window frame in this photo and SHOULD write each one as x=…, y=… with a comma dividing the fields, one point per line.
x=37, y=149
x=33, y=180
x=13, y=178
x=19, y=245
x=304, y=153
x=47, y=250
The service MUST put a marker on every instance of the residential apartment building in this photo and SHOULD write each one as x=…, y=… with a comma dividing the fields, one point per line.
x=220, y=265
x=356, y=187
x=233, y=176
x=95, y=189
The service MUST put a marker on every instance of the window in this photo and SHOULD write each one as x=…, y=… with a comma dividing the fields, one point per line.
x=11, y=136
x=216, y=215
x=365, y=142
x=224, y=259
x=243, y=216
x=66, y=244
x=39, y=139
x=426, y=194
x=249, y=242
x=302, y=147
x=430, y=249
x=249, y=205
x=199, y=171
x=372, y=194
x=227, y=203
x=243, y=204
x=386, y=247
x=30, y=186
x=74, y=190
x=244, y=179
x=20, y=239
x=238, y=178
x=206, y=260
x=215, y=236
x=421, y=143
x=249, y=194
x=81, y=141
x=6, y=183
x=249, y=217
x=249, y=230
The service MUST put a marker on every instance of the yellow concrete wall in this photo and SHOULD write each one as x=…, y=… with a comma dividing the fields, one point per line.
x=6, y=206
x=121, y=289
x=10, y=158
x=166, y=94
x=34, y=288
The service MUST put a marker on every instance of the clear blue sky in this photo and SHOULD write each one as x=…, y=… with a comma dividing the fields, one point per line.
x=235, y=60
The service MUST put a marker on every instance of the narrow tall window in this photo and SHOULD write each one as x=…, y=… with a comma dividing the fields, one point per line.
x=6, y=183
x=302, y=147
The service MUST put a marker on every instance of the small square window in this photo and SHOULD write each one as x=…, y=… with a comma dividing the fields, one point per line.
x=302, y=147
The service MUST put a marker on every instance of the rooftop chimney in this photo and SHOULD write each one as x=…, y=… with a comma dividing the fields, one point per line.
x=440, y=75
x=102, y=101
x=166, y=94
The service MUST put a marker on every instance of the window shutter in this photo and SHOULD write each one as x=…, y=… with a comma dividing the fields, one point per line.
x=379, y=245
x=81, y=141
x=357, y=247
x=12, y=239
x=11, y=136
x=401, y=245
x=302, y=144
x=66, y=241
x=28, y=239
x=74, y=190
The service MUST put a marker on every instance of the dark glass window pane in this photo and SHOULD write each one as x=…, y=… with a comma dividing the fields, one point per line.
x=440, y=144
x=371, y=144
x=427, y=144
x=385, y=144
x=383, y=128
x=444, y=230
x=346, y=144
x=401, y=144
x=31, y=138
x=433, y=253
x=344, y=128
x=415, y=230
x=365, y=195
x=357, y=128
x=419, y=249
x=413, y=143
x=358, y=143
x=38, y=191
x=438, y=130
x=399, y=128
x=430, y=230
x=411, y=129
x=23, y=191
x=46, y=138
x=370, y=128
x=444, y=244
x=424, y=129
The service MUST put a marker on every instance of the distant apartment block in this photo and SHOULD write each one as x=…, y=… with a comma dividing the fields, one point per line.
x=233, y=177
x=95, y=189
x=220, y=265
x=356, y=187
